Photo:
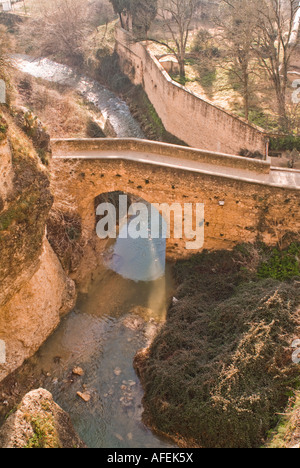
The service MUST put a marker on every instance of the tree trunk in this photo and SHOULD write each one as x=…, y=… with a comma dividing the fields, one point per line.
x=283, y=118
x=181, y=67
x=246, y=96
x=121, y=21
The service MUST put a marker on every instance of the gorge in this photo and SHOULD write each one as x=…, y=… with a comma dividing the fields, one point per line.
x=75, y=320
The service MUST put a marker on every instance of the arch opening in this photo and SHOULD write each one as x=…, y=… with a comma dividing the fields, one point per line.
x=137, y=250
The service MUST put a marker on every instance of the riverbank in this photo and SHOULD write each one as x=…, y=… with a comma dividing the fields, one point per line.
x=64, y=112
x=221, y=368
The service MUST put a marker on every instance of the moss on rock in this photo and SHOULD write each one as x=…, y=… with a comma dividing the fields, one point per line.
x=39, y=423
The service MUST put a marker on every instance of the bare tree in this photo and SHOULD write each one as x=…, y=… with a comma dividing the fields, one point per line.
x=273, y=46
x=59, y=27
x=177, y=17
x=237, y=33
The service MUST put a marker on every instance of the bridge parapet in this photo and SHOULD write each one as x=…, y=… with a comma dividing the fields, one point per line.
x=59, y=146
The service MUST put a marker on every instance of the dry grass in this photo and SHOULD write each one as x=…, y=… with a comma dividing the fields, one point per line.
x=61, y=110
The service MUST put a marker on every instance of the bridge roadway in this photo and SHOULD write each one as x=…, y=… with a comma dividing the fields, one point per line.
x=276, y=177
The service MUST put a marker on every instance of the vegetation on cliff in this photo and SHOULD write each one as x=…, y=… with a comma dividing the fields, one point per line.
x=3, y=128
x=24, y=211
x=221, y=368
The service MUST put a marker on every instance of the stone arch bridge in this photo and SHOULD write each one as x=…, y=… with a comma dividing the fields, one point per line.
x=244, y=198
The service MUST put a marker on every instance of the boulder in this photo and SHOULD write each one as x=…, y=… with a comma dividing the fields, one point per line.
x=39, y=423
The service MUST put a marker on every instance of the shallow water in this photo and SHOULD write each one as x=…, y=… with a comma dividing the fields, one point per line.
x=117, y=317
x=110, y=105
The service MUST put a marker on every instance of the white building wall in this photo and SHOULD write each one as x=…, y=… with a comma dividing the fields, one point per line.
x=6, y=5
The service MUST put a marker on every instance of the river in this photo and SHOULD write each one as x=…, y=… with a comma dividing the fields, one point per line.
x=124, y=306
x=117, y=317
x=111, y=106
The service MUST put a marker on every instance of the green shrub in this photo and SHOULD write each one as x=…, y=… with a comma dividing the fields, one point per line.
x=285, y=143
x=3, y=128
x=45, y=434
x=111, y=73
x=282, y=265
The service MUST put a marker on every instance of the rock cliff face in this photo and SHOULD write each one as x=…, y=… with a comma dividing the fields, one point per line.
x=34, y=290
x=39, y=423
x=26, y=201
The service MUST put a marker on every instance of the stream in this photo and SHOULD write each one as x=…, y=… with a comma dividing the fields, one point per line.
x=122, y=311
x=93, y=349
x=117, y=317
x=110, y=105
x=124, y=307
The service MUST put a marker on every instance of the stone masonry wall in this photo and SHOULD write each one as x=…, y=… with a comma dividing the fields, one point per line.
x=235, y=211
x=163, y=149
x=187, y=116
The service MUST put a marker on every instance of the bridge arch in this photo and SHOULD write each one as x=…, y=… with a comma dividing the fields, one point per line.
x=137, y=246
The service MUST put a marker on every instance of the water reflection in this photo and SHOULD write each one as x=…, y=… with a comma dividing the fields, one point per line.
x=141, y=259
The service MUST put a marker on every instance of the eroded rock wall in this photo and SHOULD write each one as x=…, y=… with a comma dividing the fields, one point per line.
x=34, y=290
x=35, y=311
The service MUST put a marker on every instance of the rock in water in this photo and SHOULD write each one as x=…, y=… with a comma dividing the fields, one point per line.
x=39, y=423
x=133, y=322
x=84, y=396
x=78, y=371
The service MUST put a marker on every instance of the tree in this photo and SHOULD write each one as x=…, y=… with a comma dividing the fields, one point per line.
x=177, y=17
x=59, y=27
x=141, y=12
x=273, y=46
x=121, y=7
x=237, y=24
